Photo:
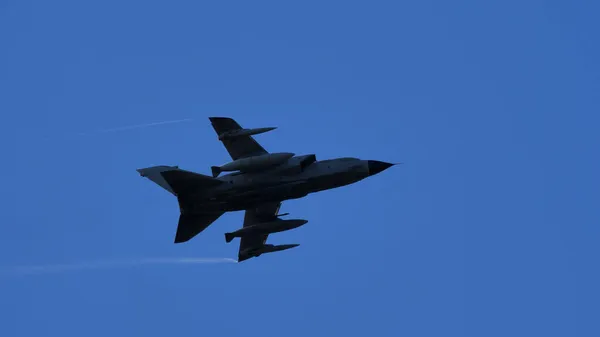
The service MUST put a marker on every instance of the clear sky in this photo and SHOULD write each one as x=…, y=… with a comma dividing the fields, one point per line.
x=490, y=228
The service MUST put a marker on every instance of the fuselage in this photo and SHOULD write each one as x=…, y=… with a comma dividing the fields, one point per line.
x=291, y=180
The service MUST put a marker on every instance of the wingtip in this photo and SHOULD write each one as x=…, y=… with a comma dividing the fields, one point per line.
x=180, y=239
x=216, y=118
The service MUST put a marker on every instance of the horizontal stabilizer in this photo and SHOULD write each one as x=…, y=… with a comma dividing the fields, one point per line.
x=192, y=224
x=185, y=182
x=228, y=237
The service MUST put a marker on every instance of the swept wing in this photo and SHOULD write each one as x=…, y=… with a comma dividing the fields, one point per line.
x=253, y=216
x=238, y=147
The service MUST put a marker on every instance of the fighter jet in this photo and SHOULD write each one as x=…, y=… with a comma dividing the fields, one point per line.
x=255, y=181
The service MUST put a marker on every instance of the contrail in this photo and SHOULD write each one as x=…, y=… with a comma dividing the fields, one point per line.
x=138, y=126
x=109, y=264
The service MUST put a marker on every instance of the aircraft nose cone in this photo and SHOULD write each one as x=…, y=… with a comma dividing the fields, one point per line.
x=376, y=166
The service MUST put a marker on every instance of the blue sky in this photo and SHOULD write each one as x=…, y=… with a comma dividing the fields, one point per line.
x=490, y=227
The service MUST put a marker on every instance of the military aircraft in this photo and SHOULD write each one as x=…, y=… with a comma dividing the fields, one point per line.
x=258, y=183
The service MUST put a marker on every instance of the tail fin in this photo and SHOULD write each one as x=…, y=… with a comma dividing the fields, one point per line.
x=177, y=181
x=228, y=237
x=184, y=182
x=215, y=171
x=181, y=183
x=154, y=174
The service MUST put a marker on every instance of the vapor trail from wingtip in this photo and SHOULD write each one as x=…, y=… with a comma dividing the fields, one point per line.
x=137, y=126
x=57, y=268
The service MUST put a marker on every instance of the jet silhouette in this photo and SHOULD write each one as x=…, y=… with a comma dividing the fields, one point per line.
x=257, y=183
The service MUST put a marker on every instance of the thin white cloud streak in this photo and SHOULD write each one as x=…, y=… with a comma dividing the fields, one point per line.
x=109, y=264
x=137, y=126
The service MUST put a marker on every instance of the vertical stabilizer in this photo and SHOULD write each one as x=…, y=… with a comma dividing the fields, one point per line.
x=154, y=174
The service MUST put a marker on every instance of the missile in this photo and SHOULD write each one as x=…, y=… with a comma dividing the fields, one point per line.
x=276, y=248
x=248, y=253
x=244, y=132
x=265, y=228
